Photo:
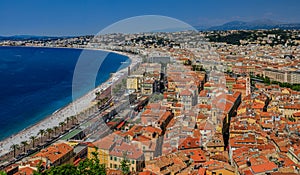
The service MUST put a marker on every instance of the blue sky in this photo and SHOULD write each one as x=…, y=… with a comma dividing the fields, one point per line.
x=80, y=17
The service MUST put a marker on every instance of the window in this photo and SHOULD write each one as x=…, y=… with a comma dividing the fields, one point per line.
x=110, y=165
x=111, y=158
x=115, y=166
x=115, y=158
x=132, y=162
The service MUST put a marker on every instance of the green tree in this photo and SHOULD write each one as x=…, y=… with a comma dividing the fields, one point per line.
x=73, y=119
x=49, y=131
x=92, y=166
x=2, y=173
x=62, y=124
x=55, y=129
x=87, y=167
x=14, y=147
x=267, y=80
x=24, y=143
x=32, y=138
x=41, y=132
x=125, y=165
x=66, y=169
x=68, y=120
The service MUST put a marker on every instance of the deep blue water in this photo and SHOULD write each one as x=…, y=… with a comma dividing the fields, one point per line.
x=35, y=82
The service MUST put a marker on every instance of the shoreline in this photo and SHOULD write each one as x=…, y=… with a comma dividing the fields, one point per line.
x=73, y=108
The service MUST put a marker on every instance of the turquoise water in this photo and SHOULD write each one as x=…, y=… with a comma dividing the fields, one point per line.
x=35, y=82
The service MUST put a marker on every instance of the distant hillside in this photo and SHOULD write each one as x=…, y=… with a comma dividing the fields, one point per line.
x=29, y=37
x=253, y=25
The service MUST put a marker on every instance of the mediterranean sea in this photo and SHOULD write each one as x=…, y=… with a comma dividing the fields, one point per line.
x=35, y=82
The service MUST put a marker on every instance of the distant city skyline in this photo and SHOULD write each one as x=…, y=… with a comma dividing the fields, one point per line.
x=67, y=18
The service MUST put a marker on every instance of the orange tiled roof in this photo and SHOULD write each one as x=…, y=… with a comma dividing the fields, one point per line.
x=147, y=173
x=296, y=114
x=269, y=166
x=55, y=152
x=190, y=142
x=25, y=171
x=201, y=171
x=294, y=106
x=239, y=86
x=203, y=93
x=152, y=129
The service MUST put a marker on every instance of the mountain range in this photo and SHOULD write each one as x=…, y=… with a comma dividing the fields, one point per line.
x=251, y=25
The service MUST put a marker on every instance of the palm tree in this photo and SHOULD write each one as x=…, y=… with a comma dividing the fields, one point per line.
x=99, y=103
x=49, y=131
x=55, y=129
x=67, y=120
x=62, y=124
x=73, y=118
x=24, y=143
x=41, y=132
x=14, y=147
x=32, y=138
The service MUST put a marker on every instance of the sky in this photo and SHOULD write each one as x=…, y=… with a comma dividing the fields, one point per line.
x=82, y=17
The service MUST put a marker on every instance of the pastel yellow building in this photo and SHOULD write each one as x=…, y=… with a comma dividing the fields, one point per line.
x=91, y=149
x=133, y=83
x=102, y=146
x=129, y=151
x=216, y=144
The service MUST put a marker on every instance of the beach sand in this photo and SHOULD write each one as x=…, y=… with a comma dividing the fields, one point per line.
x=73, y=108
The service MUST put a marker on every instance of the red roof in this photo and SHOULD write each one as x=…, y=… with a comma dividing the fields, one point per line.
x=185, y=93
x=294, y=106
x=201, y=171
x=76, y=162
x=296, y=114
x=269, y=166
x=203, y=93
x=146, y=173
x=120, y=125
x=55, y=152
x=239, y=86
x=25, y=170
x=190, y=142
x=152, y=129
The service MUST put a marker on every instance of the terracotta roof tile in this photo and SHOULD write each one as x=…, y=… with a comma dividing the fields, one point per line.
x=55, y=152
x=269, y=166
